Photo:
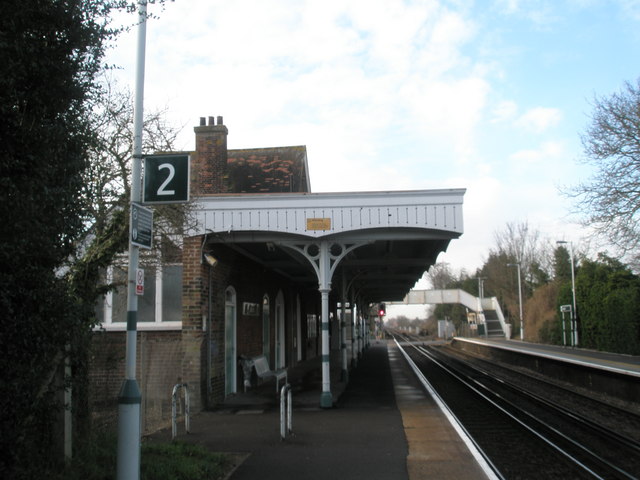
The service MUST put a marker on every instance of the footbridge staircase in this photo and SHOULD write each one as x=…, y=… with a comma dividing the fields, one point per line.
x=484, y=314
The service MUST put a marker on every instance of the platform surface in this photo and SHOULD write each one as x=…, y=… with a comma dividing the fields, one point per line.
x=383, y=426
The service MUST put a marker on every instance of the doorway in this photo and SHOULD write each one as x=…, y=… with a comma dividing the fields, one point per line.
x=230, y=363
x=279, y=333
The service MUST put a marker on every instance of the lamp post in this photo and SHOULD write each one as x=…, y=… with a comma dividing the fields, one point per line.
x=129, y=399
x=574, y=323
x=519, y=298
x=481, y=287
x=481, y=318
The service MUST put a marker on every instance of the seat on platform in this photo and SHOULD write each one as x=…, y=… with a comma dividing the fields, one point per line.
x=264, y=371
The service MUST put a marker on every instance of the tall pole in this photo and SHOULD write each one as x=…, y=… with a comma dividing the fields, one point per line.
x=574, y=317
x=519, y=298
x=129, y=399
x=573, y=292
x=481, y=287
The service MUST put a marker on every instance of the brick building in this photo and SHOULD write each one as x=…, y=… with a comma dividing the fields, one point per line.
x=261, y=271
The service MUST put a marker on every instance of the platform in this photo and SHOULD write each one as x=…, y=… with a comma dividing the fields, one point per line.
x=383, y=427
x=615, y=362
x=609, y=377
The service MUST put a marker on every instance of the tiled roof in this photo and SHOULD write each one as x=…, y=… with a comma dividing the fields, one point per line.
x=268, y=170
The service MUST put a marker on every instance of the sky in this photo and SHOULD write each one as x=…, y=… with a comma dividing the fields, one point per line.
x=491, y=96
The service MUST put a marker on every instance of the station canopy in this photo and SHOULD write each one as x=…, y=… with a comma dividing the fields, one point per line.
x=379, y=244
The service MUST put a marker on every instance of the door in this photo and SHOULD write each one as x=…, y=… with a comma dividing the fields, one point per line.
x=279, y=333
x=298, y=333
x=230, y=356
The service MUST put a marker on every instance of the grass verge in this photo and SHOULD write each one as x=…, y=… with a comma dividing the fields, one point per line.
x=158, y=461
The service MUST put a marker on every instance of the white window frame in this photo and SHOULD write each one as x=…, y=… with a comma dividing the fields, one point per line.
x=108, y=324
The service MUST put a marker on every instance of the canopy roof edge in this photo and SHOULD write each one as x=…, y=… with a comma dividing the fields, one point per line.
x=319, y=215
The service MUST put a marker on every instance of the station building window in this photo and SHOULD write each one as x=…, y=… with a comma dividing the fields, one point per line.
x=160, y=307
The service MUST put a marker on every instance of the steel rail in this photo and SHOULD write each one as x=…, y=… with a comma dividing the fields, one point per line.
x=532, y=430
x=576, y=417
x=543, y=424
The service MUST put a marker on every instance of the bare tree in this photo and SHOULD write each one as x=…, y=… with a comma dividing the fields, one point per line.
x=106, y=183
x=440, y=276
x=609, y=201
x=106, y=188
x=519, y=243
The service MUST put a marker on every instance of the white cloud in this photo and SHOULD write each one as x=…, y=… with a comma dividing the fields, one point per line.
x=370, y=64
x=504, y=111
x=631, y=8
x=539, y=119
x=540, y=13
x=483, y=209
x=547, y=151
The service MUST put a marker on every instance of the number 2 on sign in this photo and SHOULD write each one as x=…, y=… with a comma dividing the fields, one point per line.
x=172, y=172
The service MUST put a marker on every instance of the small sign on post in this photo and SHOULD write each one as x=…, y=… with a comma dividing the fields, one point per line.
x=141, y=226
x=139, y=281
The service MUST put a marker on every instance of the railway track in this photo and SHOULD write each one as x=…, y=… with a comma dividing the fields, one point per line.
x=522, y=433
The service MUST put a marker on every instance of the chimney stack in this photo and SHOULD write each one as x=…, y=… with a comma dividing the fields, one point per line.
x=209, y=165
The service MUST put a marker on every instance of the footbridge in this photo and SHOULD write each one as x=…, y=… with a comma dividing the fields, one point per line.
x=484, y=313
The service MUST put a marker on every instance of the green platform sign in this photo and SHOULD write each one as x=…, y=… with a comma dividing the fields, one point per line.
x=166, y=179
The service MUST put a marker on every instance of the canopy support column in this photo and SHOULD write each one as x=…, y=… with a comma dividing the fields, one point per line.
x=343, y=330
x=324, y=282
x=324, y=256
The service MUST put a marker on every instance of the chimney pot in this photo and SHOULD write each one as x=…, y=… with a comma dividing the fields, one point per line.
x=211, y=122
x=220, y=120
x=202, y=121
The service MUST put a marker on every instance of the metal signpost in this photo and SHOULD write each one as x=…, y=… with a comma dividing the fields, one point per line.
x=519, y=298
x=129, y=398
x=166, y=181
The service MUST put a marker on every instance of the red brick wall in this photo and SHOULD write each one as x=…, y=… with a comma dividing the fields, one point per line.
x=159, y=366
x=158, y=369
x=106, y=374
x=194, y=309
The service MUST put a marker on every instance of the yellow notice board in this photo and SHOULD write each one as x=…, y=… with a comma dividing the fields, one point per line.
x=318, y=224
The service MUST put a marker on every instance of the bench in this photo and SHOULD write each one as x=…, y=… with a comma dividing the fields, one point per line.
x=264, y=371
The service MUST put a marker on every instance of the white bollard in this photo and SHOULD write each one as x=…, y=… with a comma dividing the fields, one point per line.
x=286, y=417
